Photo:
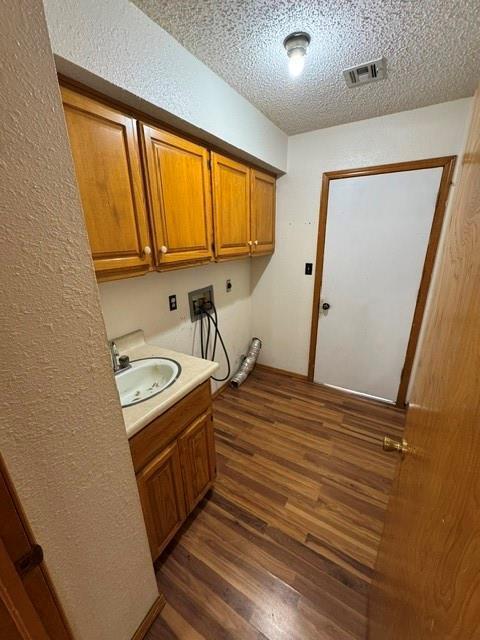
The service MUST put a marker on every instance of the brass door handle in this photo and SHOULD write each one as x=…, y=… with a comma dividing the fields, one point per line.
x=390, y=444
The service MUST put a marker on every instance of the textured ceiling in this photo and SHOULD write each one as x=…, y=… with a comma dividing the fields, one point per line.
x=432, y=49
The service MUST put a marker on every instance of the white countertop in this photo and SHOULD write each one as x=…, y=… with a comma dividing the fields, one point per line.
x=194, y=372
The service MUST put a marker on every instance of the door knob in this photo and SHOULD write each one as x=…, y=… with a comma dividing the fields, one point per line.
x=163, y=249
x=250, y=243
x=147, y=251
x=256, y=242
x=391, y=444
x=325, y=306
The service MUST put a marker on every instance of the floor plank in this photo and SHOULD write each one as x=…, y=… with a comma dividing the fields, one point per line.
x=284, y=546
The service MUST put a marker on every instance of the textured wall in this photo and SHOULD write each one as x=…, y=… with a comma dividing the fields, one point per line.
x=62, y=434
x=144, y=305
x=282, y=294
x=113, y=39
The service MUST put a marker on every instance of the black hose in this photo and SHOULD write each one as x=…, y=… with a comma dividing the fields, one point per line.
x=201, y=336
x=214, y=322
x=208, y=339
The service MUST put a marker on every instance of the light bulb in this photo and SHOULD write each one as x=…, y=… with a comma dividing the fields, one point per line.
x=296, y=63
x=296, y=45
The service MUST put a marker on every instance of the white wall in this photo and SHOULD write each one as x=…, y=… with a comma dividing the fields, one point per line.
x=142, y=303
x=62, y=434
x=118, y=43
x=282, y=294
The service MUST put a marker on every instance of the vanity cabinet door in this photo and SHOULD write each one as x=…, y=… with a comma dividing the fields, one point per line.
x=161, y=492
x=180, y=198
x=197, y=452
x=107, y=164
x=263, y=212
x=231, y=207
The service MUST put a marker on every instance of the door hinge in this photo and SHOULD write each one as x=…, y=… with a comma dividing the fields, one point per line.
x=30, y=560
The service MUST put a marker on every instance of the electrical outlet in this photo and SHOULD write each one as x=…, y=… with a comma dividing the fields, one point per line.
x=228, y=286
x=197, y=298
x=172, y=302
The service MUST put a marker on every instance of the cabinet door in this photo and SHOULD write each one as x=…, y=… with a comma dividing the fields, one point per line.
x=180, y=198
x=197, y=451
x=107, y=164
x=161, y=492
x=231, y=207
x=263, y=212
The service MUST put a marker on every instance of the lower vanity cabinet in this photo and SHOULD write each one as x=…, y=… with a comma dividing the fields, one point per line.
x=197, y=455
x=174, y=461
x=162, y=497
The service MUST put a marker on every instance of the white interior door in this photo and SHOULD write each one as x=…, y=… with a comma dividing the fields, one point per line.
x=377, y=234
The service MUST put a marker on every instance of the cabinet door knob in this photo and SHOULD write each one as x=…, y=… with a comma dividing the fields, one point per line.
x=147, y=251
x=250, y=243
x=163, y=249
x=256, y=242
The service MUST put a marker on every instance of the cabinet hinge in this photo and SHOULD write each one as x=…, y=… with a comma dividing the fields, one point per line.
x=30, y=560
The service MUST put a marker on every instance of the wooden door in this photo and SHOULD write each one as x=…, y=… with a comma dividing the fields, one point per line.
x=262, y=212
x=18, y=618
x=161, y=492
x=197, y=452
x=427, y=583
x=180, y=198
x=231, y=207
x=107, y=164
x=28, y=606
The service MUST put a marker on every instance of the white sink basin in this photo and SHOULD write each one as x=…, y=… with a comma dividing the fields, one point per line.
x=145, y=378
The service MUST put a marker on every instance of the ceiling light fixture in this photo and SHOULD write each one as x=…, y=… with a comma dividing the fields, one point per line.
x=296, y=45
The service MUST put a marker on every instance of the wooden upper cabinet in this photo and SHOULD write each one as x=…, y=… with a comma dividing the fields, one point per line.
x=180, y=198
x=262, y=212
x=106, y=157
x=231, y=207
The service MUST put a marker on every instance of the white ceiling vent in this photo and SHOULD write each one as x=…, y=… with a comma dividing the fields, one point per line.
x=366, y=72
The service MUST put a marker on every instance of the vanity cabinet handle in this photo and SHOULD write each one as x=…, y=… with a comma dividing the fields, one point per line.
x=163, y=249
x=256, y=242
x=147, y=251
x=250, y=243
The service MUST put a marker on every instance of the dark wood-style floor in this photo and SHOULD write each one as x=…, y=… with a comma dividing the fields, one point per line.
x=285, y=545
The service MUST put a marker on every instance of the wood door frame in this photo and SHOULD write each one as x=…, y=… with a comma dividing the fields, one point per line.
x=24, y=523
x=447, y=163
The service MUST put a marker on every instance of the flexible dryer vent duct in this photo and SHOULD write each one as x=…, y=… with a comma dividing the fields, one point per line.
x=247, y=365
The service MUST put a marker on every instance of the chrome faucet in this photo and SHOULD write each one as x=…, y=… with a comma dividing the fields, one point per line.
x=114, y=355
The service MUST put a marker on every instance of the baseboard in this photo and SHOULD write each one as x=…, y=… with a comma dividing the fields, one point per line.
x=281, y=372
x=150, y=618
x=220, y=390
